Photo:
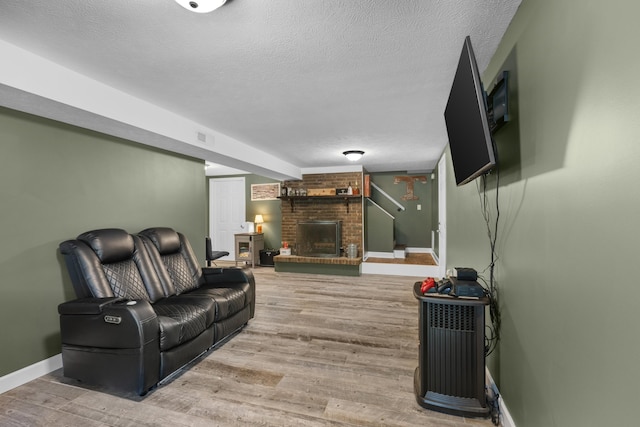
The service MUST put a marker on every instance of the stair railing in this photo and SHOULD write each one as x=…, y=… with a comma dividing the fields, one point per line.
x=400, y=207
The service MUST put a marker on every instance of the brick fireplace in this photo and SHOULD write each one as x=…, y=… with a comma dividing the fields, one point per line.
x=323, y=208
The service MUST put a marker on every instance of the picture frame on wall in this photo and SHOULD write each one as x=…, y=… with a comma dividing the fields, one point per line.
x=269, y=191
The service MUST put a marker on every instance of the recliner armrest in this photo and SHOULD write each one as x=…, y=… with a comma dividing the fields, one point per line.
x=239, y=278
x=227, y=275
x=108, y=323
x=87, y=305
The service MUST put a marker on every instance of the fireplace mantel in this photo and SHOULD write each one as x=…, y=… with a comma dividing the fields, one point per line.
x=346, y=198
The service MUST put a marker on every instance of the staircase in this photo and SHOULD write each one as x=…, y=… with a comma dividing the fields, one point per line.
x=381, y=243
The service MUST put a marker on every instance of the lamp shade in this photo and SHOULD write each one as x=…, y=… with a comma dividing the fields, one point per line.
x=353, y=155
x=258, y=220
x=201, y=6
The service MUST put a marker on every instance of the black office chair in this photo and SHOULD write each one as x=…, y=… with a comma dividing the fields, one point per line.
x=212, y=255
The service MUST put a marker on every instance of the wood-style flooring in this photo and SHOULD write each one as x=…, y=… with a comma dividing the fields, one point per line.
x=410, y=258
x=321, y=351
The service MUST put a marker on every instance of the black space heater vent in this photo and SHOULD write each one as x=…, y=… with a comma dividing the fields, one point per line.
x=457, y=317
x=450, y=375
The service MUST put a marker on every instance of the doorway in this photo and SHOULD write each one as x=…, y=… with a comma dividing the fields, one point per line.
x=227, y=213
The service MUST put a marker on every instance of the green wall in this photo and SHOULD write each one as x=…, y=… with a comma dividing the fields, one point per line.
x=412, y=226
x=57, y=181
x=378, y=229
x=568, y=209
x=269, y=209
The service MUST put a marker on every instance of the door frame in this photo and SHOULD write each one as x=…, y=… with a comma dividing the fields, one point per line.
x=442, y=215
x=213, y=229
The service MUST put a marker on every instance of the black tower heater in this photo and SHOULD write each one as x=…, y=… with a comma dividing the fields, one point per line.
x=450, y=376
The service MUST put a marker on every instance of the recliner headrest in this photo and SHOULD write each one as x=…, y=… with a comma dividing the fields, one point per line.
x=109, y=244
x=165, y=239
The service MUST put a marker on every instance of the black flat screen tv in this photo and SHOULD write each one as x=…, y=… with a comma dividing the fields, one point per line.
x=472, y=151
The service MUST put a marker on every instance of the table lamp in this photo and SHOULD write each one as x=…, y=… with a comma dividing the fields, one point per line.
x=259, y=221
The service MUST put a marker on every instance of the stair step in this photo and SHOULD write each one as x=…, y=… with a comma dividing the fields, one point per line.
x=399, y=251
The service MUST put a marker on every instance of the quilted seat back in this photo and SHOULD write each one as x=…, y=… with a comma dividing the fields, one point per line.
x=173, y=258
x=110, y=263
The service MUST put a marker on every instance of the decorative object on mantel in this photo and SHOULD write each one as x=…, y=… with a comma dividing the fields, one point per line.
x=354, y=155
x=321, y=192
x=367, y=186
x=201, y=6
x=265, y=191
x=410, y=180
x=259, y=221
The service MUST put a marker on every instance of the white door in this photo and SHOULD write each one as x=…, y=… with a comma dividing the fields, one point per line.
x=442, y=215
x=227, y=213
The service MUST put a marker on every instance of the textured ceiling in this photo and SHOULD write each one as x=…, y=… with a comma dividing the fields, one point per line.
x=301, y=79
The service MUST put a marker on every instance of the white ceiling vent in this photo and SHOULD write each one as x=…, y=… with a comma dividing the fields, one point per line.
x=205, y=138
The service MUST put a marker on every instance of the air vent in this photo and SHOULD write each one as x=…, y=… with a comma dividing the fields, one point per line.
x=204, y=138
x=456, y=317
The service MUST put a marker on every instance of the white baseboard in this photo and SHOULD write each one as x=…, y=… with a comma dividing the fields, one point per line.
x=379, y=255
x=30, y=373
x=412, y=250
x=391, y=255
x=421, y=271
x=399, y=269
x=505, y=416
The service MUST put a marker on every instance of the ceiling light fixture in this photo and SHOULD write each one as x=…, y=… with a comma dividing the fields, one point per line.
x=354, y=155
x=201, y=6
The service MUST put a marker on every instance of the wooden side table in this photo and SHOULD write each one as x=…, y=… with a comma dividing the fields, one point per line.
x=248, y=247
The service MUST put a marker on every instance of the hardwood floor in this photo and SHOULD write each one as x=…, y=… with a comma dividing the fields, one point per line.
x=410, y=258
x=321, y=351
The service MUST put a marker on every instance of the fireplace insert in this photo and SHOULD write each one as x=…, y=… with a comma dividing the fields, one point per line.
x=318, y=238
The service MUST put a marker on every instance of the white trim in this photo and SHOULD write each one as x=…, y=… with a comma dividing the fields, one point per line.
x=370, y=254
x=400, y=269
x=400, y=253
x=419, y=250
x=379, y=207
x=379, y=255
x=30, y=373
x=442, y=215
x=214, y=169
x=436, y=259
x=385, y=194
x=505, y=416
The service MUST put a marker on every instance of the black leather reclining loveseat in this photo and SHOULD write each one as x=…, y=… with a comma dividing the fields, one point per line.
x=145, y=307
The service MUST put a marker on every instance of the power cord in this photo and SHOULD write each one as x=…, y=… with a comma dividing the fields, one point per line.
x=491, y=289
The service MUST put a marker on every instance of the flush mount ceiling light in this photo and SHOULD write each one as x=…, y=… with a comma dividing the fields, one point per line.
x=354, y=155
x=201, y=6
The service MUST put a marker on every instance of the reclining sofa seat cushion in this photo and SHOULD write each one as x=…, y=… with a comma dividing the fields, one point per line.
x=130, y=275
x=179, y=272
